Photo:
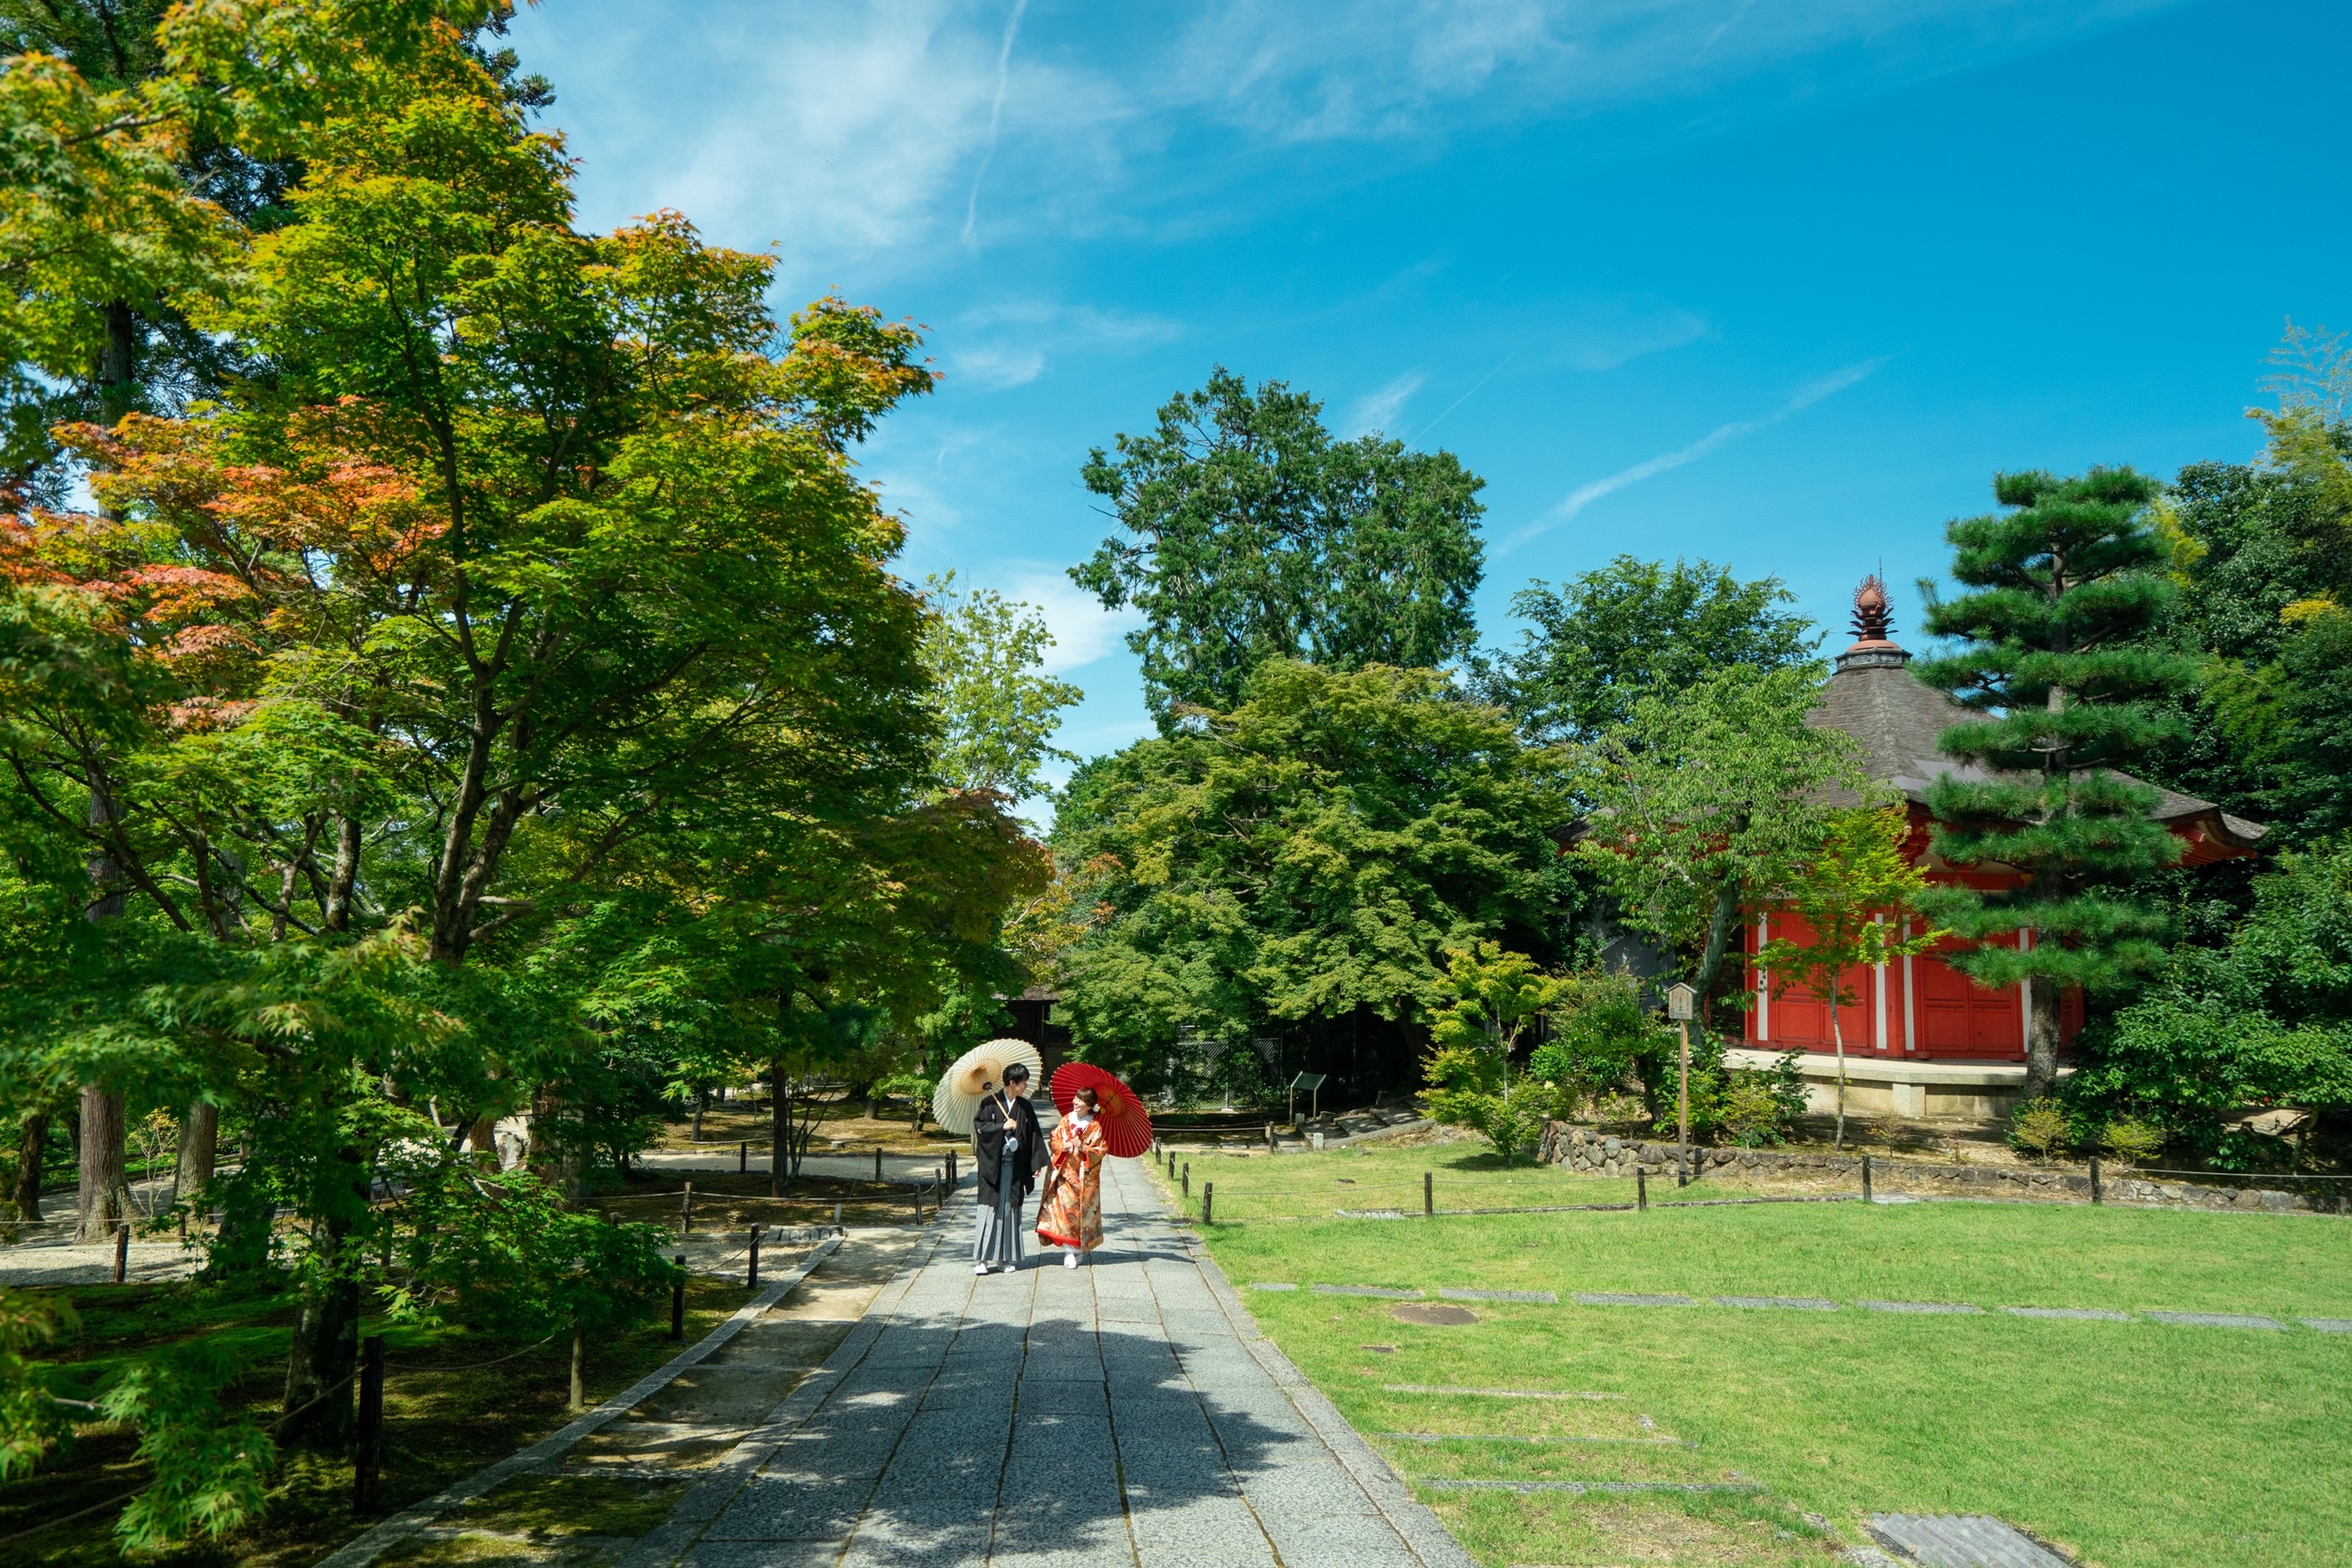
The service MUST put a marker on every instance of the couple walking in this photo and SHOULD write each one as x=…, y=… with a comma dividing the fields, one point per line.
x=1009, y=1152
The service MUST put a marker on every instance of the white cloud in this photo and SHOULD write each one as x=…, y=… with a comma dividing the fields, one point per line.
x=992, y=368
x=1083, y=632
x=858, y=132
x=1376, y=412
x=1585, y=495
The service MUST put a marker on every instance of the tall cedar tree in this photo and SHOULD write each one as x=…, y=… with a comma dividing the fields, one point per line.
x=2056, y=652
x=1252, y=535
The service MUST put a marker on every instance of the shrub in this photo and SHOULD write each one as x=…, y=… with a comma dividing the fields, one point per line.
x=1477, y=1089
x=1754, y=1108
x=2039, y=1127
x=2133, y=1141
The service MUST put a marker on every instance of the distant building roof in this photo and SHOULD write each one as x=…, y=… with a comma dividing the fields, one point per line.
x=1897, y=719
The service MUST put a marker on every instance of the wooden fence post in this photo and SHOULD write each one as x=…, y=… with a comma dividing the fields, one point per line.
x=1641, y=1188
x=1428, y=1194
x=1866, y=1177
x=686, y=1211
x=122, y=1250
x=2095, y=1196
x=877, y=1162
x=677, y=1300
x=742, y=1158
x=580, y=1364
x=1188, y=1178
x=1208, y=1202
x=367, y=1452
x=751, y=1276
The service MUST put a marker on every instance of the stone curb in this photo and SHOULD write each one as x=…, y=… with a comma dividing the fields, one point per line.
x=1412, y=1521
x=708, y=1497
x=399, y=1527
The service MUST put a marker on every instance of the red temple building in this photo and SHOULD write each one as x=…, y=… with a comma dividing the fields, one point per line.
x=1921, y=1038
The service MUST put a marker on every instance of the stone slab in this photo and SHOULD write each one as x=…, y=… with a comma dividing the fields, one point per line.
x=1960, y=1541
x=1785, y=1303
x=1619, y=1298
x=1459, y=1293
x=1495, y=1393
x=1382, y=1291
x=2071, y=1314
x=2329, y=1325
x=1933, y=1309
x=2217, y=1319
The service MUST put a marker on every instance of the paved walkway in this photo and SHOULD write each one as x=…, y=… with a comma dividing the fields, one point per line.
x=1128, y=1412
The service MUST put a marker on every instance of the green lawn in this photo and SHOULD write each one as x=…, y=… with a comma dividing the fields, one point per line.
x=2137, y=1444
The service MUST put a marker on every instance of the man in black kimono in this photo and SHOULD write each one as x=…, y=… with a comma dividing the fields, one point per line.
x=1008, y=1149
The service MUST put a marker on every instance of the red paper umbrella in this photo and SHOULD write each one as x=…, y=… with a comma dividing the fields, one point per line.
x=1126, y=1128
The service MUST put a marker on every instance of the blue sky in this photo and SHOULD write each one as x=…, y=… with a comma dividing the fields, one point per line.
x=1777, y=282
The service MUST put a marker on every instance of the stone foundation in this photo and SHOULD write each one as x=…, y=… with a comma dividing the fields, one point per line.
x=1590, y=1152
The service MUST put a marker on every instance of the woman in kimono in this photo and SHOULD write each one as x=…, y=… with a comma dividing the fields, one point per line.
x=1071, y=1214
x=1008, y=1149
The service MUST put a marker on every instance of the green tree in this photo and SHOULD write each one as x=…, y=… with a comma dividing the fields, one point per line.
x=1710, y=799
x=1607, y=638
x=1483, y=1005
x=1250, y=534
x=1317, y=851
x=2056, y=641
x=2264, y=1020
x=998, y=710
x=1857, y=897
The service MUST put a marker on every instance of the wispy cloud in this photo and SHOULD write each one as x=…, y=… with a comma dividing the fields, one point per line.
x=1083, y=632
x=1377, y=410
x=993, y=367
x=1722, y=435
x=996, y=115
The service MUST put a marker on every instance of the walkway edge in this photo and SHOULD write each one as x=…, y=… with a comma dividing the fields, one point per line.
x=1423, y=1534
x=708, y=1497
x=399, y=1527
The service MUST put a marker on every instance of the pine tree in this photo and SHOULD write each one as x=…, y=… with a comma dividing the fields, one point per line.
x=2056, y=652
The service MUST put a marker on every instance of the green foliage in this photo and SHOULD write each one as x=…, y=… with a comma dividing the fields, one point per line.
x=501, y=1250
x=1477, y=1087
x=1486, y=997
x=1857, y=894
x=2055, y=643
x=2040, y=1127
x=1606, y=639
x=31, y=1423
x=1602, y=1037
x=998, y=712
x=1750, y=1107
x=1252, y=535
x=1283, y=863
x=1710, y=797
x=2133, y=1141
x=2265, y=1021
x=211, y=1472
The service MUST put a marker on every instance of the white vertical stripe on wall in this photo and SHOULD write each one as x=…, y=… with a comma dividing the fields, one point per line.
x=1879, y=1042
x=1910, y=994
x=1763, y=983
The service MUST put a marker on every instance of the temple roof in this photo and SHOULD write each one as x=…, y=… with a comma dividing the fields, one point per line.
x=1896, y=717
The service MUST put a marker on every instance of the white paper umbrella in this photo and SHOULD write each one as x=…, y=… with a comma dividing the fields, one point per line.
x=975, y=1075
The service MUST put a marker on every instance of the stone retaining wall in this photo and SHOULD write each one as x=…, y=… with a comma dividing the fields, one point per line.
x=1599, y=1154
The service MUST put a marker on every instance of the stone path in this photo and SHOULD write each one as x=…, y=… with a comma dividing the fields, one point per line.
x=1125, y=1412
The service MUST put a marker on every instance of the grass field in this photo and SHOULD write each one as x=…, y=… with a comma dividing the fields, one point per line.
x=2134, y=1445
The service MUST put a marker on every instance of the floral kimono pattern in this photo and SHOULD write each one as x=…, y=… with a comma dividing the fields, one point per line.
x=1072, y=1212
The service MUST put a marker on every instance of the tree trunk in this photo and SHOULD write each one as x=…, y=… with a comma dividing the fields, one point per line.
x=779, y=1130
x=483, y=1136
x=580, y=1365
x=700, y=1094
x=32, y=1144
x=1838, y=1038
x=1719, y=926
x=324, y=1346
x=323, y=1350
x=200, y=1147
x=118, y=363
x=2042, y=1038
x=101, y=1203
